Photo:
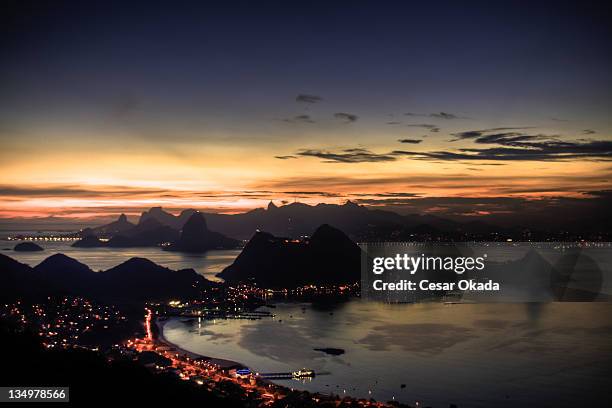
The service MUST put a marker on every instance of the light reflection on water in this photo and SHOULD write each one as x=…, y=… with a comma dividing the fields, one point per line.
x=207, y=264
x=473, y=355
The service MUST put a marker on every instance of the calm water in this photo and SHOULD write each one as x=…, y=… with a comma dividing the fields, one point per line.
x=503, y=355
x=556, y=354
x=208, y=264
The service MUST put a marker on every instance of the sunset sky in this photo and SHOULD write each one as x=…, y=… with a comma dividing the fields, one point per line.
x=447, y=108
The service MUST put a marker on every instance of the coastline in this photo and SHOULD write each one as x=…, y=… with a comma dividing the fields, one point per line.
x=221, y=362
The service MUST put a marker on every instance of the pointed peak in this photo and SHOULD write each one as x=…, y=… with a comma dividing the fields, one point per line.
x=350, y=203
x=196, y=220
x=272, y=206
x=122, y=218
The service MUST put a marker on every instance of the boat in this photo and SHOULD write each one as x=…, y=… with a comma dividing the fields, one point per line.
x=303, y=373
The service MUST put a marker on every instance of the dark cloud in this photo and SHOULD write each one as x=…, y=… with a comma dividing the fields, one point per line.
x=300, y=119
x=513, y=144
x=534, y=151
x=412, y=141
x=436, y=115
x=305, y=98
x=472, y=134
x=347, y=117
x=512, y=139
x=287, y=157
x=443, y=115
x=428, y=126
x=356, y=155
x=588, y=132
x=394, y=123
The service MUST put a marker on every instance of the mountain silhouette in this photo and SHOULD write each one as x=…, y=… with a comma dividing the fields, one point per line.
x=165, y=218
x=19, y=281
x=142, y=279
x=147, y=233
x=116, y=227
x=27, y=247
x=135, y=280
x=328, y=257
x=89, y=241
x=296, y=220
x=196, y=237
x=65, y=274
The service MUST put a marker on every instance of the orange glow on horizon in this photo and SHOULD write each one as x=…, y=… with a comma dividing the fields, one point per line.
x=109, y=175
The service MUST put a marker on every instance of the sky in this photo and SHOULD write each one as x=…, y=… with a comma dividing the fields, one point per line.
x=448, y=108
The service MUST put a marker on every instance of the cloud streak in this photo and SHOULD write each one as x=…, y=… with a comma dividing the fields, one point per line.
x=346, y=117
x=428, y=126
x=300, y=119
x=534, y=151
x=515, y=145
x=472, y=134
x=436, y=115
x=306, y=98
x=355, y=155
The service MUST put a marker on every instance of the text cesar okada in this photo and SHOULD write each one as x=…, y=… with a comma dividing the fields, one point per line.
x=412, y=264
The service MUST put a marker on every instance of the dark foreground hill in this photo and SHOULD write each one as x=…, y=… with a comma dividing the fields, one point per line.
x=142, y=279
x=91, y=376
x=329, y=257
x=19, y=280
x=135, y=280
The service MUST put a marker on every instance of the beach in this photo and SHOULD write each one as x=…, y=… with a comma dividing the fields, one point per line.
x=220, y=362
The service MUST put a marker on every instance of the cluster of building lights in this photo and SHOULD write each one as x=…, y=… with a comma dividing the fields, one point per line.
x=42, y=238
x=61, y=322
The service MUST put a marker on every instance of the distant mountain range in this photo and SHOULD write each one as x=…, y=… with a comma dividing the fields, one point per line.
x=192, y=236
x=137, y=279
x=297, y=220
x=292, y=220
x=328, y=257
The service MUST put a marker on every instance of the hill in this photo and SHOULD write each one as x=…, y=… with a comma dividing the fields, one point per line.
x=329, y=256
x=196, y=237
x=135, y=280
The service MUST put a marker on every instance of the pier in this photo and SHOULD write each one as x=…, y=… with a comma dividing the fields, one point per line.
x=287, y=375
